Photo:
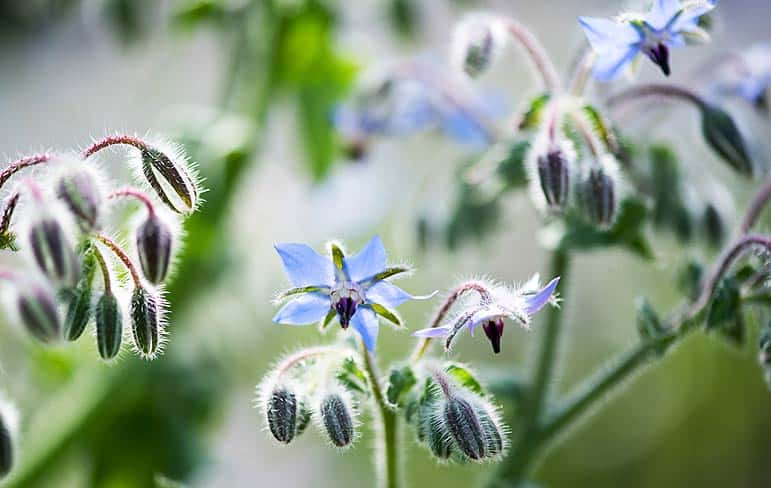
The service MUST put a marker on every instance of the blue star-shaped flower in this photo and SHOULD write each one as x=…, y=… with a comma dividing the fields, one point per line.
x=618, y=42
x=355, y=289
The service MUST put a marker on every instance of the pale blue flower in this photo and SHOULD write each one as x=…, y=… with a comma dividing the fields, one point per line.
x=618, y=42
x=503, y=302
x=354, y=289
x=748, y=75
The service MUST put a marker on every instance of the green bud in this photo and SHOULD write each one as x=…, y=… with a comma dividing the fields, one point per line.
x=52, y=252
x=154, y=249
x=78, y=313
x=337, y=417
x=146, y=322
x=437, y=436
x=80, y=192
x=723, y=136
x=714, y=228
x=282, y=410
x=464, y=425
x=109, y=326
x=493, y=434
x=37, y=310
x=599, y=196
x=172, y=179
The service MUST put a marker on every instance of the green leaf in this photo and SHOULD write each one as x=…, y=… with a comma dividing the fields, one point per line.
x=602, y=128
x=532, y=116
x=724, y=313
x=400, y=382
x=465, y=378
x=723, y=136
x=650, y=327
x=689, y=279
x=511, y=170
x=352, y=377
x=386, y=314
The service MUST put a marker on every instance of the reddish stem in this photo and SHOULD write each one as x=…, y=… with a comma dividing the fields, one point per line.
x=112, y=141
x=137, y=194
x=121, y=254
x=20, y=164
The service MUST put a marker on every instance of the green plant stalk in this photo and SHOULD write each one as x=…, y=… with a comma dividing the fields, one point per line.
x=387, y=452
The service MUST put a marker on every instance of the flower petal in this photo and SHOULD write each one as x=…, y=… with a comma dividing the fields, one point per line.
x=610, y=65
x=364, y=321
x=662, y=13
x=432, y=332
x=607, y=35
x=536, y=302
x=303, y=310
x=304, y=266
x=689, y=19
x=482, y=316
x=368, y=262
x=389, y=295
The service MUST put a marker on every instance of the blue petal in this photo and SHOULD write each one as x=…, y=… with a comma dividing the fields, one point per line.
x=462, y=127
x=607, y=35
x=304, y=266
x=303, y=310
x=388, y=295
x=432, y=332
x=364, y=321
x=609, y=66
x=478, y=318
x=368, y=262
x=689, y=19
x=536, y=302
x=662, y=12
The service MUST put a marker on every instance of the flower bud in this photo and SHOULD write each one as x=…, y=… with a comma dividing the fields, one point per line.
x=282, y=413
x=494, y=443
x=437, y=437
x=78, y=313
x=171, y=178
x=154, y=248
x=554, y=178
x=723, y=136
x=38, y=313
x=109, y=326
x=7, y=236
x=465, y=427
x=337, y=417
x=8, y=420
x=599, y=197
x=714, y=227
x=80, y=192
x=52, y=252
x=146, y=325
x=475, y=44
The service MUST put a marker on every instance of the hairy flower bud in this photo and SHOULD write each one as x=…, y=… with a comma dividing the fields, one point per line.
x=599, y=197
x=146, y=324
x=723, y=136
x=109, y=326
x=282, y=413
x=476, y=43
x=80, y=192
x=554, y=178
x=154, y=247
x=168, y=173
x=463, y=423
x=494, y=443
x=336, y=415
x=38, y=313
x=78, y=313
x=52, y=252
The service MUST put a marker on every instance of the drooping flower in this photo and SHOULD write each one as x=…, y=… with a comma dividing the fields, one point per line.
x=491, y=311
x=354, y=289
x=748, y=76
x=669, y=24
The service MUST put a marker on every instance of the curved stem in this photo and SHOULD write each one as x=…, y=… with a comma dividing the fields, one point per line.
x=105, y=270
x=671, y=91
x=387, y=450
x=137, y=194
x=592, y=142
x=290, y=361
x=577, y=84
x=112, y=141
x=756, y=207
x=441, y=313
x=20, y=164
x=121, y=254
x=537, y=53
x=8, y=209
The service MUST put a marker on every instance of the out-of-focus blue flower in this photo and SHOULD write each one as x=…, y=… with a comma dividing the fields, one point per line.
x=748, y=75
x=618, y=42
x=517, y=304
x=413, y=97
x=355, y=289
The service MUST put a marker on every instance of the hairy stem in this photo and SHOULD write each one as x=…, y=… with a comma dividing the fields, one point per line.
x=121, y=254
x=113, y=141
x=136, y=194
x=654, y=89
x=387, y=461
x=536, y=52
x=583, y=68
x=20, y=164
x=103, y=267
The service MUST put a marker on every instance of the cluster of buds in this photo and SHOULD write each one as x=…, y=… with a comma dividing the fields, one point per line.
x=319, y=384
x=73, y=276
x=455, y=421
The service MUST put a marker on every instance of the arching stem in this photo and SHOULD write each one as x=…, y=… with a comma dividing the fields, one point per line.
x=105, y=270
x=535, y=51
x=112, y=141
x=121, y=254
x=136, y=194
x=21, y=164
x=670, y=91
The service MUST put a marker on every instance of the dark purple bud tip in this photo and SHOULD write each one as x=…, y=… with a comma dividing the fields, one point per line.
x=600, y=197
x=494, y=331
x=659, y=54
x=145, y=322
x=38, y=312
x=80, y=193
x=53, y=254
x=154, y=248
x=554, y=178
x=345, y=308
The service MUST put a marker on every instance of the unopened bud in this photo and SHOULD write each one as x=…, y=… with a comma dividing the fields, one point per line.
x=80, y=192
x=337, y=418
x=109, y=326
x=599, y=196
x=52, y=252
x=475, y=44
x=436, y=434
x=171, y=178
x=78, y=313
x=146, y=325
x=714, y=227
x=723, y=136
x=282, y=413
x=493, y=433
x=8, y=419
x=37, y=310
x=466, y=429
x=554, y=177
x=154, y=248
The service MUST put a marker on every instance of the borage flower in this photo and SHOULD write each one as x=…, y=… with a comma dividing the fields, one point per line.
x=748, y=76
x=618, y=42
x=354, y=289
x=493, y=308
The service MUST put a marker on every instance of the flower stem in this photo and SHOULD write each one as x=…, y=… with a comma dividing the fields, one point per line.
x=112, y=141
x=387, y=461
x=654, y=89
x=20, y=164
x=121, y=254
x=136, y=194
x=537, y=53
x=105, y=270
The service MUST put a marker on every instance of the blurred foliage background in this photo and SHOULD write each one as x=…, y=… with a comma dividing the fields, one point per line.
x=247, y=86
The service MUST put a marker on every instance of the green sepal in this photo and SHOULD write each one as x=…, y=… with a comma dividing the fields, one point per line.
x=327, y=319
x=8, y=241
x=400, y=382
x=297, y=291
x=724, y=313
x=386, y=314
x=465, y=378
x=337, y=256
x=391, y=271
x=352, y=377
x=723, y=136
x=602, y=128
x=532, y=116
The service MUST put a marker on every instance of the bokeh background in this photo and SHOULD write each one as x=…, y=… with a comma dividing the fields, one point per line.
x=246, y=86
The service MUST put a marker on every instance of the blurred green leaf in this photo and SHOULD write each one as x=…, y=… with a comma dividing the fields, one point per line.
x=724, y=313
x=465, y=378
x=532, y=116
x=400, y=382
x=352, y=377
x=723, y=136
